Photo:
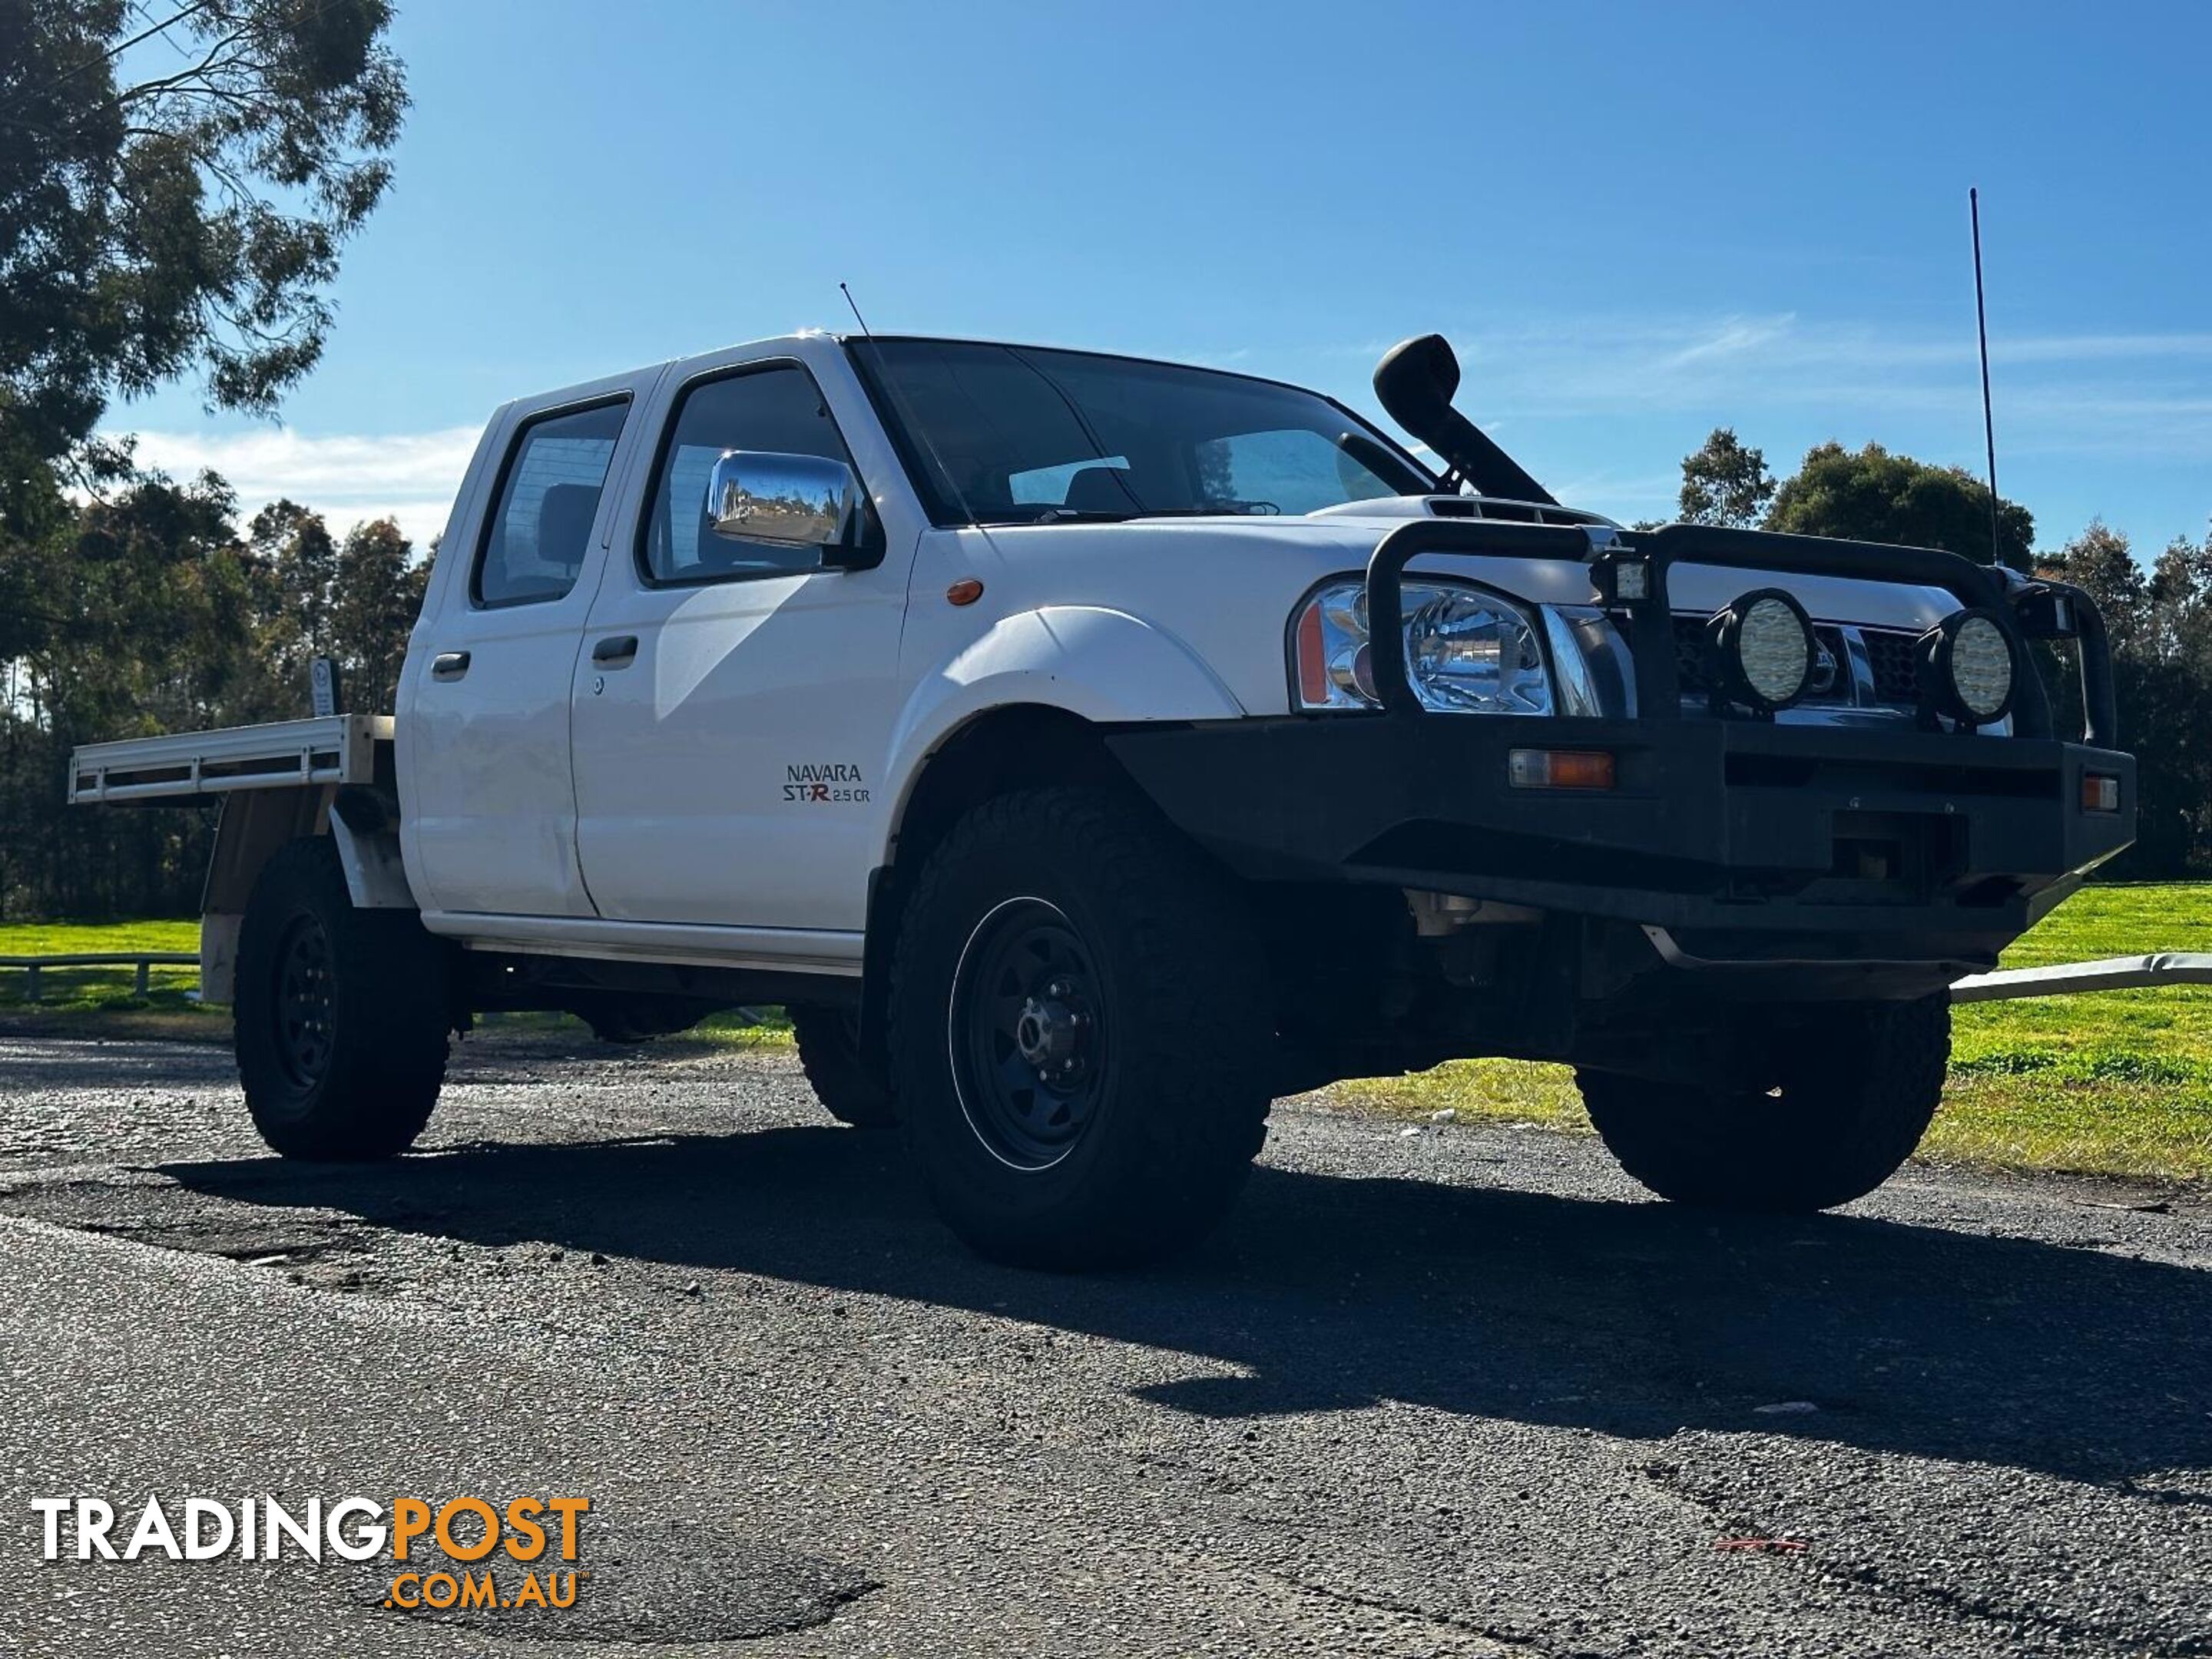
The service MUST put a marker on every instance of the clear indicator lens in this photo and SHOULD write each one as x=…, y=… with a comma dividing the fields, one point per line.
x=1981, y=667
x=1775, y=650
x=1360, y=673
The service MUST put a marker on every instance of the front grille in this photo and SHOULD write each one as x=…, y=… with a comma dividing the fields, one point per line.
x=1831, y=685
x=1690, y=655
x=1889, y=653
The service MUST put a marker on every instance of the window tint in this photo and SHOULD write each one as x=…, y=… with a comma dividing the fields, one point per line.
x=1296, y=470
x=541, y=526
x=1015, y=434
x=1048, y=486
x=777, y=410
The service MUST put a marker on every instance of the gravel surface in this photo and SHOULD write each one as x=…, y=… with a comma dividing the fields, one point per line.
x=1457, y=1391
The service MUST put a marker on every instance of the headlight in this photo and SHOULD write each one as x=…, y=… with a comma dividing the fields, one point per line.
x=1965, y=668
x=1467, y=650
x=1764, y=645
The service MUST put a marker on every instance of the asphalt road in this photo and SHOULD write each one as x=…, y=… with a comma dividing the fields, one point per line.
x=1456, y=1392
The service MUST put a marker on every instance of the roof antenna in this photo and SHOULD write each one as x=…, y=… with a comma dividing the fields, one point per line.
x=1981, y=325
x=906, y=414
x=853, y=306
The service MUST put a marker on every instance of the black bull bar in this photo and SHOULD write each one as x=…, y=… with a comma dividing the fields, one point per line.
x=2023, y=610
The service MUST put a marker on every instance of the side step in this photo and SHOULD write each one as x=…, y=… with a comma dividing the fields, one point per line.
x=2065, y=978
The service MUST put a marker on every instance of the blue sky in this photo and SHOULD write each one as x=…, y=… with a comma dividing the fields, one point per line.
x=1635, y=221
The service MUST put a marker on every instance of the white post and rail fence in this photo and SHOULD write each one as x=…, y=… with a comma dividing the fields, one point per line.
x=35, y=968
x=2059, y=979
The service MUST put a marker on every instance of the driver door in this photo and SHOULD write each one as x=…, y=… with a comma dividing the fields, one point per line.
x=732, y=702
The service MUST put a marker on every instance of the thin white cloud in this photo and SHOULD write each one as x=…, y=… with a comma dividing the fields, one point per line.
x=1596, y=367
x=1621, y=495
x=410, y=477
x=1738, y=338
x=2083, y=397
x=1586, y=396
x=2150, y=392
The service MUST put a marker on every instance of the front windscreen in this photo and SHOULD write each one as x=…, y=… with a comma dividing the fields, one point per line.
x=1018, y=434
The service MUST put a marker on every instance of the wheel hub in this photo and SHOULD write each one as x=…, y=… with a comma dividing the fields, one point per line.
x=1028, y=1041
x=305, y=1002
x=1049, y=1033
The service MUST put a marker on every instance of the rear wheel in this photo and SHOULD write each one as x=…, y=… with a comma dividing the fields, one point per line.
x=1081, y=1031
x=849, y=1088
x=340, y=1015
x=1856, y=1088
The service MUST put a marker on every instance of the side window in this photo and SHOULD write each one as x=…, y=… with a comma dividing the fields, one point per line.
x=541, y=526
x=779, y=410
x=1294, y=471
x=1059, y=486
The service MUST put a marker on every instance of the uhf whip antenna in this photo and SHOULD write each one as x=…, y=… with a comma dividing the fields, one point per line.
x=906, y=413
x=1982, y=327
x=855, y=307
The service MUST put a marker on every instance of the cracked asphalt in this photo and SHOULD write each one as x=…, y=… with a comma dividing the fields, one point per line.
x=1463, y=1391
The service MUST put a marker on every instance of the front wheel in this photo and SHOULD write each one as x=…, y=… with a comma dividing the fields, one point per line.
x=1080, y=1027
x=1854, y=1088
x=340, y=1015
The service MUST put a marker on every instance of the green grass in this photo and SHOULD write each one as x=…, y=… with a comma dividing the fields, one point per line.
x=104, y=1001
x=84, y=990
x=2112, y=1083
x=2109, y=1083
x=2117, y=1082
x=734, y=1029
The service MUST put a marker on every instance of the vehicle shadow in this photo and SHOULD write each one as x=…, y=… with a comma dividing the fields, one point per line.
x=1634, y=1319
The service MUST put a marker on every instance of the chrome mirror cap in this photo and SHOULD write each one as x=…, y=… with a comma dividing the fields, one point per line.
x=785, y=501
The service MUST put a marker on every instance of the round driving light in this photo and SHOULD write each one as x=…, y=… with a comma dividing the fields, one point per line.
x=1967, y=668
x=1765, y=647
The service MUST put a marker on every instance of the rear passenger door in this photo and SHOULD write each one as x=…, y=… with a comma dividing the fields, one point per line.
x=484, y=731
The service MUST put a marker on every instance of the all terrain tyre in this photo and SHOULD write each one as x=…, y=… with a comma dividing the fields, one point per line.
x=1856, y=1089
x=1080, y=1028
x=341, y=1015
x=850, y=1089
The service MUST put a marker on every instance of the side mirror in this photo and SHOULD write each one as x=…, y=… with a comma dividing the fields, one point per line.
x=787, y=501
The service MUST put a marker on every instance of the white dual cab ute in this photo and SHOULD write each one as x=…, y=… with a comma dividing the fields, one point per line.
x=1089, y=749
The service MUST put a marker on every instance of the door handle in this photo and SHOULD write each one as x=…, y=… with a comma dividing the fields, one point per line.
x=616, y=651
x=449, y=665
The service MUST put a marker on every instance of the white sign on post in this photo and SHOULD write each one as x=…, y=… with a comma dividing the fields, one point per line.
x=323, y=680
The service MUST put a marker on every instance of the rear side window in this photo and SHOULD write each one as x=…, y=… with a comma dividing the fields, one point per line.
x=779, y=410
x=549, y=494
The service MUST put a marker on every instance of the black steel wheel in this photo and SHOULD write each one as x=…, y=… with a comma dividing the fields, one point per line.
x=305, y=1008
x=1082, y=1030
x=1027, y=1034
x=340, y=1015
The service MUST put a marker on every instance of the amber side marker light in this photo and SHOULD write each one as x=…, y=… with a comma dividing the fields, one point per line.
x=1558, y=768
x=2101, y=793
x=966, y=591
